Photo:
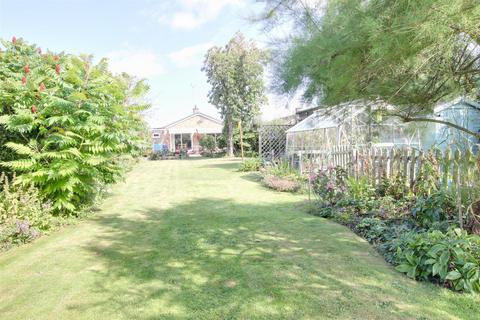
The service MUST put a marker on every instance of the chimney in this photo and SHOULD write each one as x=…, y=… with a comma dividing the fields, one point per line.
x=195, y=109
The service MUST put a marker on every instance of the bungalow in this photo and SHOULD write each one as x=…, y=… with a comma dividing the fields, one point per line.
x=186, y=132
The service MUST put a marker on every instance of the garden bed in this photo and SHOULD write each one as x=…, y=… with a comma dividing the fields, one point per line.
x=416, y=229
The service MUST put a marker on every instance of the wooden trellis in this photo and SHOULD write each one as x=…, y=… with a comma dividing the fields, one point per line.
x=272, y=141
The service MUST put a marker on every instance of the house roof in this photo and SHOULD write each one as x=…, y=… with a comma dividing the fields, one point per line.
x=189, y=117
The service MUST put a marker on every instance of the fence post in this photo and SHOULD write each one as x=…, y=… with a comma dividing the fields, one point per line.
x=413, y=161
x=457, y=183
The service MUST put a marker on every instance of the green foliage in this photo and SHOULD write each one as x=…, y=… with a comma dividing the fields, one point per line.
x=235, y=73
x=23, y=215
x=452, y=258
x=283, y=169
x=73, y=121
x=251, y=164
x=207, y=142
x=427, y=181
x=408, y=54
x=329, y=185
x=371, y=229
x=395, y=187
x=438, y=207
x=360, y=189
x=250, y=139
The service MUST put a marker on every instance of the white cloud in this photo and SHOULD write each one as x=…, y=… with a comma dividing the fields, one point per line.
x=142, y=64
x=190, y=55
x=193, y=13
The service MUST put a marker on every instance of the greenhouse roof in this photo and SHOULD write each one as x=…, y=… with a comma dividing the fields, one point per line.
x=330, y=117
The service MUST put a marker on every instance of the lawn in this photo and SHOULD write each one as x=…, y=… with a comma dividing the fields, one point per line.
x=194, y=239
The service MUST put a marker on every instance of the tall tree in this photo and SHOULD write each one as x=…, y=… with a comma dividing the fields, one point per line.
x=410, y=54
x=235, y=73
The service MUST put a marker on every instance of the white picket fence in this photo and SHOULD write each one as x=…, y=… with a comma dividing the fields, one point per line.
x=456, y=169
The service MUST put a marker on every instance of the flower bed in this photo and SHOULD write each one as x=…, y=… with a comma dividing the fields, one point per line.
x=416, y=229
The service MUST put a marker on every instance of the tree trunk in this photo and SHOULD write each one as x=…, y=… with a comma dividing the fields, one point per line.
x=241, y=137
x=229, y=136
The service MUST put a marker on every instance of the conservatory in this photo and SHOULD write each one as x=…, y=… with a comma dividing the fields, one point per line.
x=349, y=124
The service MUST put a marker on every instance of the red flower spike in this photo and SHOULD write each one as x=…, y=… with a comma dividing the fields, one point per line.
x=14, y=40
x=34, y=109
x=57, y=69
x=24, y=80
x=42, y=87
x=26, y=69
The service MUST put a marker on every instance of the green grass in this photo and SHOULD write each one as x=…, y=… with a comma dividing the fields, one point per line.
x=198, y=240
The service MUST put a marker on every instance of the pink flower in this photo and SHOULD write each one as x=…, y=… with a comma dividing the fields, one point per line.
x=42, y=87
x=330, y=186
x=14, y=40
x=39, y=50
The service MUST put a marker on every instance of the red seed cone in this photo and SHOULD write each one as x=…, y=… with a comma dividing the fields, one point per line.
x=57, y=69
x=24, y=80
x=34, y=109
x=42, y=87
x=55, y=58
x=14, y=40
x=26, y=69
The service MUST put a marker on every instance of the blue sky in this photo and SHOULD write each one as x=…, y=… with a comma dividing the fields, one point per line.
x=161, y=40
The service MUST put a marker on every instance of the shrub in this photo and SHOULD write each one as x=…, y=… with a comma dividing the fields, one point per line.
x=281, y=183
x=23, y=215
x=283, y=169
x=329, y=185
x=360, y=189
x=208, y=144
x=452, y=258
x=251, y=164
x=395, y=187
x=371, y=229
x=73, y=119
x=438, y=207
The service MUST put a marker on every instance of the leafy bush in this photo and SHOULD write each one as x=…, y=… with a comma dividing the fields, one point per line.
x=329, y=185
x=371, y=229
x=395, y=187
x=360, y=189
x=427, y=181
x=438, y=207
x=23, y=215
x=452, y=258
x=208, y=143
x=281, y=183
x=283, y=169
x=251, y=164
x=73, y=122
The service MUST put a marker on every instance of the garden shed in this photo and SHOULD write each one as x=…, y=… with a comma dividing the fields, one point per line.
x=349, y=124
x=461, y=112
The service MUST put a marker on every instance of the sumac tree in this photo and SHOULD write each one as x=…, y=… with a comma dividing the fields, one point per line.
x=70, y=122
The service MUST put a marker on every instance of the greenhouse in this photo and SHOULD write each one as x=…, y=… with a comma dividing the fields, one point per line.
x=349, y=124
